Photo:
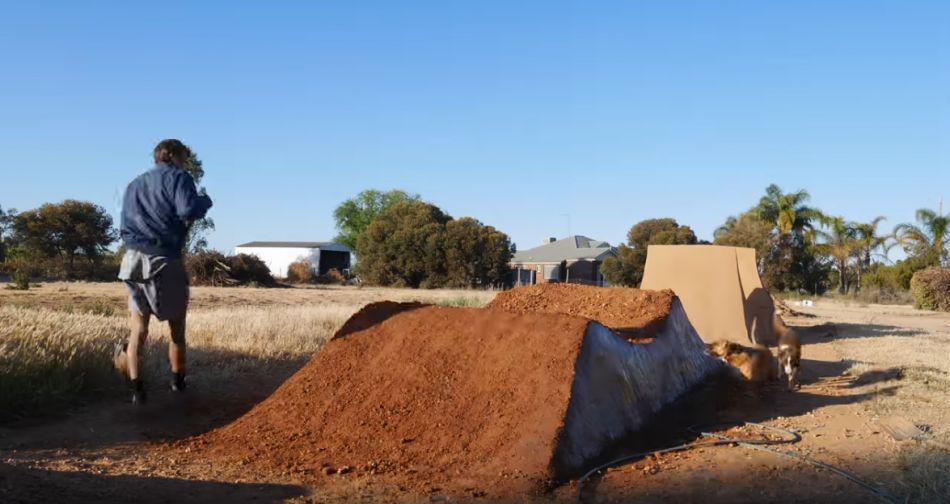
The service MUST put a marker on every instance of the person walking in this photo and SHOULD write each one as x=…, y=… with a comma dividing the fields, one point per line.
x=157, y=211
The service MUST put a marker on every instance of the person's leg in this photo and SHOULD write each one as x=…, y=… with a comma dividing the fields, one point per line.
x=139, y=323
x=176, y=353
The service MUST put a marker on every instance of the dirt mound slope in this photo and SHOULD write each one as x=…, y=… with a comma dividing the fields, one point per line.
x=372, y=314
x=466, y=399
x=632, y=312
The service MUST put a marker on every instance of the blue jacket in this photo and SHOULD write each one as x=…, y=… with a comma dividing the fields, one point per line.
x=157, y=208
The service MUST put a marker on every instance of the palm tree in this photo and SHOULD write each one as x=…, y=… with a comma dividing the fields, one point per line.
x=787, y=211
x=871, y=241
x=841, y=242
x=929, y=238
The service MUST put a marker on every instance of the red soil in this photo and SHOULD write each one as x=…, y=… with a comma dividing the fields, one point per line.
x=372, y=314
x=466, y=400
x=633, y=313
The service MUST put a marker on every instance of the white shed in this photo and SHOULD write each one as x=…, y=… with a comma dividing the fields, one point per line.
x=278, y=256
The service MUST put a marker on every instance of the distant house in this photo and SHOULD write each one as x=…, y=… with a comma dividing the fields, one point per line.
x=575, y=259
x=324, y=256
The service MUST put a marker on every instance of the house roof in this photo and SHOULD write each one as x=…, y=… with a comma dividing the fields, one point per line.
x=572, y=248
x=293, y=244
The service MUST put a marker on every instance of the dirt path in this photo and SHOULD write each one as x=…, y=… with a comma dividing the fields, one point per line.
x=115, y=452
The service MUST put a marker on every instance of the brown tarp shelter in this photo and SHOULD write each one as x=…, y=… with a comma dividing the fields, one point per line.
x=719, y=287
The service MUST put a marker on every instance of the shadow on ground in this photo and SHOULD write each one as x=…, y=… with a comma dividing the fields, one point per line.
x=19, y=484
x=107, y=418
x=830, y=331
x=724, y=401
x=849, y=331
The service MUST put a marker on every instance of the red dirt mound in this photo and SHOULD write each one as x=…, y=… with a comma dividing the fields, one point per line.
x=463, y=399
x=633, y=313
x=372, y=314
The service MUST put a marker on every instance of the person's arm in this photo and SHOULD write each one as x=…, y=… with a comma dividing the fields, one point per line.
x=189, y=205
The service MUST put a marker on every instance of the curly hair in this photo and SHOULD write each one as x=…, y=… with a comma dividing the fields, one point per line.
x=172, y=152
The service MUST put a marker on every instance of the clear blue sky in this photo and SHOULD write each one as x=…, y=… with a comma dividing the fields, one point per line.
x=514, y=114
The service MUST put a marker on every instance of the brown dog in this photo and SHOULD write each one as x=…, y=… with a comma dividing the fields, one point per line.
x=754, y=364
x=789, y=350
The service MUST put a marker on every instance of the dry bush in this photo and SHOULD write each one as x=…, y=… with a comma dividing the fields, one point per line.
x=207, y=268
x=885, y=296
x=874, y=295
x=300, y=272
x=931, y=289
x=21, y=279
x=215, y=269
x=332, y=277
x=250, y=270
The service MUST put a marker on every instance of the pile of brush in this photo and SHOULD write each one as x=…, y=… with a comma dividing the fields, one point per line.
x=215, y=269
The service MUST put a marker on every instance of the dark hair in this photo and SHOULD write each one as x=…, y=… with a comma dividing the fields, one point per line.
x=172, y=152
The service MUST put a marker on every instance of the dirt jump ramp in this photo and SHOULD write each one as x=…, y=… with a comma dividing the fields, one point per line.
x=720, y=288
x=490, y=401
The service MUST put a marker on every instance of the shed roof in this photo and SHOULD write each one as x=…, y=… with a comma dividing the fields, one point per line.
x=572, y=248
x=294, y=244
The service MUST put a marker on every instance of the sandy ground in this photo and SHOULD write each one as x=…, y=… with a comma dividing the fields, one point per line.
x=878, y=362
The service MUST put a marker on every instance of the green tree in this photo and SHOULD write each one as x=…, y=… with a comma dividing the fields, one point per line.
x=871, y=244
x=404, y=246
x=840, y=241
x=788, y=212
x=664, y=231
x=871, y=241
x=66, y=230
x=6, y=225
x=895, y=276
x=792, y=263
x=354, y=215
x=475, y=254
x=627, y=268
x=927, y=239
x=197, y=238
x=747, y=230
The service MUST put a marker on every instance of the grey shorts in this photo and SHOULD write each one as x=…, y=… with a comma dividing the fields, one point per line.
x=164, y=293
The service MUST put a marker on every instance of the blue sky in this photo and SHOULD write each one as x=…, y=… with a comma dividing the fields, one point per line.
x=516, y=113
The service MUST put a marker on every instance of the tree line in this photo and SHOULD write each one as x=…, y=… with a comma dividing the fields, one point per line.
x=802, y=249
x=71, y=239
x=403, y=241
x=64, y=240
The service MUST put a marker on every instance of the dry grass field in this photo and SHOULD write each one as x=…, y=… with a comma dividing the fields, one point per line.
x=56, y=340
x=66, y=427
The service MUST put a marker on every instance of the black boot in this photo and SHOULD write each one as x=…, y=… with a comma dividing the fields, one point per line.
x=138, y=392
x=178, y=382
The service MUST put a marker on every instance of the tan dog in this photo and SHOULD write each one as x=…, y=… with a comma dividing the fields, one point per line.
x=789, y=350
x=754, y=364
